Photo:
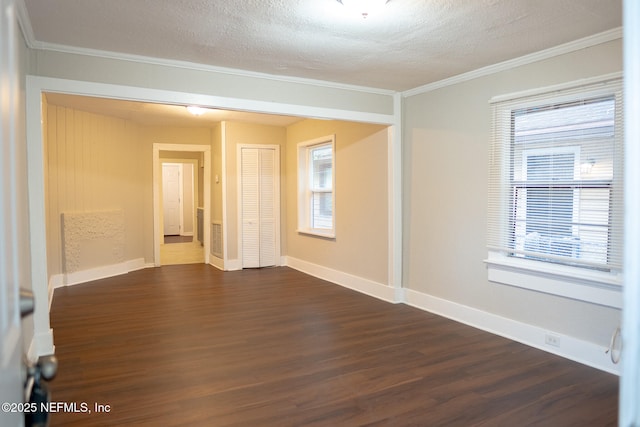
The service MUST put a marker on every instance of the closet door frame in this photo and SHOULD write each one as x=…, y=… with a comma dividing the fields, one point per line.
x=276, y=197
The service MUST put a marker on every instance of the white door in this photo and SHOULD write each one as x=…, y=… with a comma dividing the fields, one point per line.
x=14, y=263
x=259, y=204
x=171, y=198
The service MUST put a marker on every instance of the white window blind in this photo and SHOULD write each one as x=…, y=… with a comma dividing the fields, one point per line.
x=316, y=179
x=321, y=186
x=555, y=177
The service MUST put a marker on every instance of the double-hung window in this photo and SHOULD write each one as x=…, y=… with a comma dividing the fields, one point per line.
x=555, y=191
x=316, y=180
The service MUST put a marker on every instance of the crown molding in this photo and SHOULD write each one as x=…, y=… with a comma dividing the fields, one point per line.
x=593, y=40
x=29, y=36
x=25, y=23
x=562, y=49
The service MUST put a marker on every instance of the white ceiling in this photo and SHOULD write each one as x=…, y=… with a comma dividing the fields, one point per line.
x=162, y=115
x=410, y=43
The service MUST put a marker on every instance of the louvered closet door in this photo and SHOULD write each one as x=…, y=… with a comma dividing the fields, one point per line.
x=267, y=219
x=258, y=207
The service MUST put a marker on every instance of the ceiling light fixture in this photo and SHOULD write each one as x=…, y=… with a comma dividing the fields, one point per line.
x=195, y=110
x=363, y=8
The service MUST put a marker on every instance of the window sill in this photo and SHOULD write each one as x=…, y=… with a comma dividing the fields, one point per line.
x=596, y=287
x=329, y=234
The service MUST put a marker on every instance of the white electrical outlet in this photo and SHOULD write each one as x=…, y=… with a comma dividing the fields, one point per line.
x=552, y=340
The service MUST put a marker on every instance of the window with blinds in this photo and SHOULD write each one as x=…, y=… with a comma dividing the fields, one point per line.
x=555, y=178
x=316, y=196
x=321, y=186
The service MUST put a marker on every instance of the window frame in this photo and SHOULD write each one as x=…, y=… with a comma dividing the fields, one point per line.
x=575, y=282
x=306, y=188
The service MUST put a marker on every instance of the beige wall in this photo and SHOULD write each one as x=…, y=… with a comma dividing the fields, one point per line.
x=150, y=135
x=361, y=199
x=446, y=137
x=146, y=75
x=98, y=163
x=445, y=134
x=247, y=133
x=92, y=165
x=216, y=187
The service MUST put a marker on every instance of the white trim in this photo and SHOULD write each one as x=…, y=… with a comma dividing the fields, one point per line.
x=225, y=223
x=41, y=345
x=157, y=178
x=394, y=196
x=61, y=280
x=136, y=93
x=37, y=215
x=330, y=234
x=54, y=282
x=232, y=265
x=303, y=171
x=181, y=198
x=357, y=283
x=586, y=42
x=569, y=347
x=25, y=22
x=601, y=80
x=575, y=283
x=629, y=413
x=216, y=262
x=137, y=264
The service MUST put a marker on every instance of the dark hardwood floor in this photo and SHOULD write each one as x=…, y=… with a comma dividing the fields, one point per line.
x=190, y=345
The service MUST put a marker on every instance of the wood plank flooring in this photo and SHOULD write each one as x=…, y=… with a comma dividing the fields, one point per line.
x=181, y=253
x=190, y=345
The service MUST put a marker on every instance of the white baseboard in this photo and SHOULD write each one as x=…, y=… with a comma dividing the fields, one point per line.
x=569, y=347
x=41, y=345
x=360, y=284
x=83, y=276
x=55, y=281
x=216, y=262
x=233, y=265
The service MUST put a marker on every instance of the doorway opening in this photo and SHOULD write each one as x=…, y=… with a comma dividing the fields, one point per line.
x=181, y=195
x=181, y=199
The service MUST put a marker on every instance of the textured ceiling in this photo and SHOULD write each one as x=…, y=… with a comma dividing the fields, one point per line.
x=410, y=43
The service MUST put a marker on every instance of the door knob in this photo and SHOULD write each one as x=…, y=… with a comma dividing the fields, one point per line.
x=27, y=302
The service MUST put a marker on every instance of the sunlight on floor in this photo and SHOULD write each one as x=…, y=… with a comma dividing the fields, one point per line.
x=181, y=253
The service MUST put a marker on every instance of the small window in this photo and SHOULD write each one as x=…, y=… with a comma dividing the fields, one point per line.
x=316, y=195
